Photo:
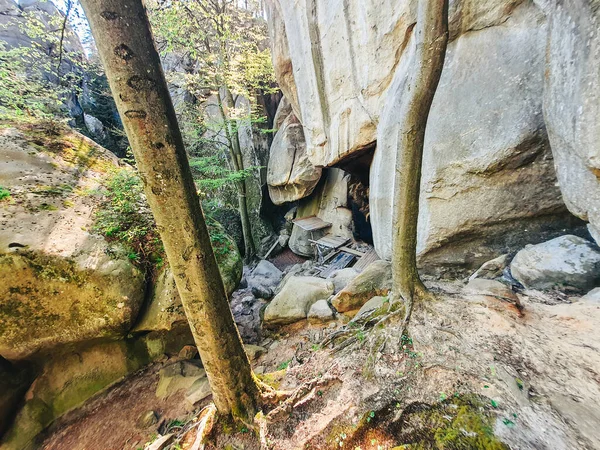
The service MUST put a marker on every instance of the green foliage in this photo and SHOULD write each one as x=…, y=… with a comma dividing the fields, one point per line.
x=456, y=423
x=124, y=216
x=284, y=365
x=48, y=72
x=4, y=194
x=222, y=46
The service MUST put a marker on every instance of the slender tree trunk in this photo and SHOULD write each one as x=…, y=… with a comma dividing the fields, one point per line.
x=431, y=39
x=125, y=43
x=233, y=139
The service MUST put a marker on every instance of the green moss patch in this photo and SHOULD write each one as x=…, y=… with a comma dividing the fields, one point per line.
x=461, y=422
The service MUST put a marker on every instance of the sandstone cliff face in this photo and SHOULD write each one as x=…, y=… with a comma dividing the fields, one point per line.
x=572, y=104
x=489, y=181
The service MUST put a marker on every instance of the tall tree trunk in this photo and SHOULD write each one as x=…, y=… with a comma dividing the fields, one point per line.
x=431, y=40
x=243, y=189
x=125, y=43
x=237, y=160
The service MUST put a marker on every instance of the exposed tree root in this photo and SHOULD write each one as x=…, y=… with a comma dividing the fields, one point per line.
x=294, y=399
x=207, y=419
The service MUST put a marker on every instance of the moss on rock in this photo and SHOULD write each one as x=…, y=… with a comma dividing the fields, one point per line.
x=47, y=301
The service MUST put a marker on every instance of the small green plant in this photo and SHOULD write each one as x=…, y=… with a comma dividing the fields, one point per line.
x=370, y=416
x=124, y=216
x=175, y=423
x=284, y=365
x=48, y=207
x=4, y=194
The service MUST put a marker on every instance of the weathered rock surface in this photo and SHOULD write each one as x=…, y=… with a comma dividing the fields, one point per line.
x=290, y=174
x=265, y=276
x=61, y=284
x=479, y=163
x=320, y=312
x=567, y=261
x=375, y=280
x=69, y=379
x=295, y=299
x=368, y=308
x=178, y=376
x=492, y=288
x=254, y=351
x=593, y=296
x=492, y=269
x=489, y=184
x=572, y=105
x=342, y=278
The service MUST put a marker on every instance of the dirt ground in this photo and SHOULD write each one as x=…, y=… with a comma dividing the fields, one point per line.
x=534, y=377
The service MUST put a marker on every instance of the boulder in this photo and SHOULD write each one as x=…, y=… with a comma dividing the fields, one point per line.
x=341, y=278
x=372, y=305
x=592, y=297
x=375, y=280
x=492, y=269
x=147, y=419
x=492, y=288
x=265, y=276
x=320, y=312
x=262, y=292
x=572, y=105
x=295, y=299
x=566, y=261
x=254, y=351
x=198, y=391
x=68, y=379
x=178, y=376
x=164, y=309
x=61, y=284
x=290, y=174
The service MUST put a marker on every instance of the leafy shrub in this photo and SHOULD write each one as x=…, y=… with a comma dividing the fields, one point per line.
x=4, y=194
x=124, y=216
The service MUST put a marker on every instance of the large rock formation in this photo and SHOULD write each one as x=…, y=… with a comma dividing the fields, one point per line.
x=572, y=104
x=61, y=283
x=290, y=175
x=489, y=184
x=485, y=143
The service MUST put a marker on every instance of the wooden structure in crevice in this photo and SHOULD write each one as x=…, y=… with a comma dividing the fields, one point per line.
x=332, y=252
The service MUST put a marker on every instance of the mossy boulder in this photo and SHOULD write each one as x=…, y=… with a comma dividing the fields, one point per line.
x=61, y=283
x=68, y=379
x=374, y=281
x=47, y=301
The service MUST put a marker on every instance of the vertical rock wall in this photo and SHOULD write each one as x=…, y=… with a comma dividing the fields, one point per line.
x=489, y=182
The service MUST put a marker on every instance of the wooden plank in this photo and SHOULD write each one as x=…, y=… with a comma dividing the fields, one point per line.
x=341, y=261
x=370, y=256
x=352, y=251
x=331, y=241
x=311, y=223
x=271, y=249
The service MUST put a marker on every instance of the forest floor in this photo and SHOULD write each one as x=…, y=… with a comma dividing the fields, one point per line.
x=474, y=372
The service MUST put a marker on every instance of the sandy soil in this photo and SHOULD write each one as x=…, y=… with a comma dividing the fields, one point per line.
x=537, y=372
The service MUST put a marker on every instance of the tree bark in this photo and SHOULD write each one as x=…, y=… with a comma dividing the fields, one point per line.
x=126, y=47
x=431, y=40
